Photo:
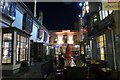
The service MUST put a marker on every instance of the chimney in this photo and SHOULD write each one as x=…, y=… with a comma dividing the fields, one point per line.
x=40, y=19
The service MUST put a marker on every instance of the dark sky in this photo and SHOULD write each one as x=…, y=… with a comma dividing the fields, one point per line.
x=57, y=15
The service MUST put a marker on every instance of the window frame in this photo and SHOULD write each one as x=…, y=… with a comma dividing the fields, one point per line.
x=11, y=40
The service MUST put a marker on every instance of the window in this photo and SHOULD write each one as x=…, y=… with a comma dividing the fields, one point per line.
x=94, y=19
x=75, y=38
x=55, y=38
x=7, y=48
x=82, y=50
x=26, y=49
x=22, y=48
x=101, y=47
x=8, y=9
x=103, y=14
x=65, y=38
x=18, y=47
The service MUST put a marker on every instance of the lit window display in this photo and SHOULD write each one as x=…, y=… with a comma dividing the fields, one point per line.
x=101, y=47
x=7, y=48
x=82, y=50
x=22, y=48
x=18, y=47
x=14, y=46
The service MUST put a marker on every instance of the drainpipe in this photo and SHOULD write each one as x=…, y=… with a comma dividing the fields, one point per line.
x=113, y=44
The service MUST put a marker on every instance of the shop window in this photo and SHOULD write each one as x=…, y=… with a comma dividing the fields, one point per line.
x=101, y=47
x=18, y=47
x=95, y=19
x=26, y=49
x=22, y=48
x=7, y=48
x=82, y=50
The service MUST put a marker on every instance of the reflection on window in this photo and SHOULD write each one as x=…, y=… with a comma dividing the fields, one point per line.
x=7, y=48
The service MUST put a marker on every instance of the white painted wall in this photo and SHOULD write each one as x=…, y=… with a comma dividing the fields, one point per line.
x=18, y=20
x=34, y=33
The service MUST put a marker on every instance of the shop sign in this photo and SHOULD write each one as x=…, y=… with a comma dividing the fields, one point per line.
x=111, y=5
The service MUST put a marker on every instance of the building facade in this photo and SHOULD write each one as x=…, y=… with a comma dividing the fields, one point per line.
x=63, y=38
x=16, y=26
x=102, y=33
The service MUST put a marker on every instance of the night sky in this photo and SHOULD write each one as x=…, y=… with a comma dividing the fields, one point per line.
x=57, y=15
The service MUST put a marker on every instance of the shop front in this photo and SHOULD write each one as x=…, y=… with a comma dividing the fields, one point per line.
x=15, y=48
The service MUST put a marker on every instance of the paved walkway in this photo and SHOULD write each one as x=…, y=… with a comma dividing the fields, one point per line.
x=34, y=73
x=82, y=73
